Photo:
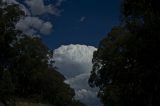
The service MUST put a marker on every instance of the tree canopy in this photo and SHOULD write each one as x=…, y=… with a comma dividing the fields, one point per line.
x=25, y=71
x=126, y=65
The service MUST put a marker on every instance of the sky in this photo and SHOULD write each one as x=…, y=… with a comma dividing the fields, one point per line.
x=63, y=22
x=83, y=22
x=73, y=30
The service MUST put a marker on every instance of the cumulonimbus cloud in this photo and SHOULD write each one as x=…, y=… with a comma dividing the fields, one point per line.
x=75, y=63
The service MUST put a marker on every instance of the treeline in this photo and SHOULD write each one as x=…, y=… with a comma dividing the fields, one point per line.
x=25, y=72
x=126, y=66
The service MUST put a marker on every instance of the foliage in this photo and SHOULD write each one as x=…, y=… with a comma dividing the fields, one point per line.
x=126, y=64
x=25, y=72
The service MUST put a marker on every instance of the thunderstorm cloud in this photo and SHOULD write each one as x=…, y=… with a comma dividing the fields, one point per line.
x=75, y=63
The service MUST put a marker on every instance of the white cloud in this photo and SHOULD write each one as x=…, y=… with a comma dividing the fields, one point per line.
x=74, y=57
x=22, y=7
x=46, y=28
x=82, y=19
x=88, y=97
x=83, y=92
x=75, y=63
x=37, y=7
x=34, y=25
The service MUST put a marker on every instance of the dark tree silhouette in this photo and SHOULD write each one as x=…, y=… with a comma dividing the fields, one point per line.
x=25, y=73
x=126, y=65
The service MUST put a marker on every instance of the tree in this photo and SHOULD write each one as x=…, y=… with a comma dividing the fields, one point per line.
x=8, y=16
x=25, y=73
x=126, y=64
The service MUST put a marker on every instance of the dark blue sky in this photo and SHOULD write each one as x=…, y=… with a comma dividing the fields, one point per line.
x=100, y=17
